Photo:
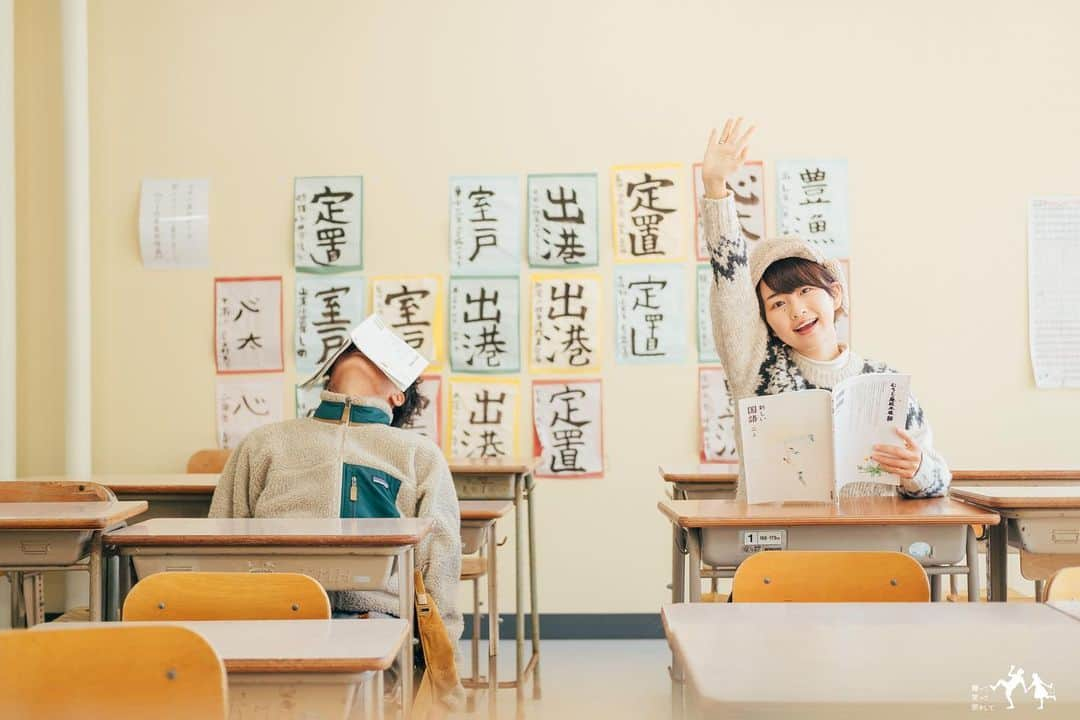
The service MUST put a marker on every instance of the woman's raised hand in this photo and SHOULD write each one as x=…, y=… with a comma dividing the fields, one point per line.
x=724, y=154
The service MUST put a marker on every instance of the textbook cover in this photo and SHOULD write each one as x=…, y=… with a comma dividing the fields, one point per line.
x=804, y=446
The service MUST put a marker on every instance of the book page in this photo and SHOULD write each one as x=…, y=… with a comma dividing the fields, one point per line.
x=787, y=447
x=866, y=408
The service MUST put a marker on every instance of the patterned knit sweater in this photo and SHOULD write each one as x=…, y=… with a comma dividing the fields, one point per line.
x=757, y=362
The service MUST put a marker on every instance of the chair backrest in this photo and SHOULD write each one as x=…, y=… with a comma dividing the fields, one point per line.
x=227, y=596
x=112, y=671
x=827, y=576
x=1064, y=585
x=54, y=491
x=208, y=461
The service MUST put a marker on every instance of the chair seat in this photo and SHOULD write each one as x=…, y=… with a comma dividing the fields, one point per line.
x=473, y=567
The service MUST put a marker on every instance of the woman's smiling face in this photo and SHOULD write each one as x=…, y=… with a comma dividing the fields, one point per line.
x=804, y=318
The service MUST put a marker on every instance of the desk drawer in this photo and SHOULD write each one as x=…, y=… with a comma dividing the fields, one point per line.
x=484, y=487
x=44, y=547
x=339, y=572
x=1046, y=535
x=929, y=544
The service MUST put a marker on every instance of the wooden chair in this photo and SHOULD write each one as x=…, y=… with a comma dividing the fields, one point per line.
x=1063, y=585
x=121, y=672
x=227, y=596
x=208, y=461
x=825, y=576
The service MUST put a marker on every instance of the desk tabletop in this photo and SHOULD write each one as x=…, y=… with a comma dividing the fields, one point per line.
x=96, y=515
x=150, y=484
x=294, y=646
x=852, y=657
x=484, y=509
x=330, y=532
x=1069, y=607
x=1015, y=476
x=850, y=511
x=714, y=473
x=493, y=466
x=703, y=473
x=1020, y=496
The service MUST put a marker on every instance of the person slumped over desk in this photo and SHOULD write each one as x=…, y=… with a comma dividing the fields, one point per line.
x=353, y=460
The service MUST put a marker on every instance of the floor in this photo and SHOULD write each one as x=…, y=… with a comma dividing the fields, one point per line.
x=625, y=679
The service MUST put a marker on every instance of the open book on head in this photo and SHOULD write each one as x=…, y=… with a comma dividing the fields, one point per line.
x=805, y=446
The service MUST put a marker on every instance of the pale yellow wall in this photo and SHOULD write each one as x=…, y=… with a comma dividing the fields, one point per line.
x=950, y=114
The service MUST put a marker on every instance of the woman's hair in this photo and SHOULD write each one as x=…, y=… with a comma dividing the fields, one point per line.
x=788, y=275
x=413, y=405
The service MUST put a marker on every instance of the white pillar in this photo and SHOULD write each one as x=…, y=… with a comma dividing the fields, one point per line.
x=7, y=262
x=77, y=186
x=7, y=239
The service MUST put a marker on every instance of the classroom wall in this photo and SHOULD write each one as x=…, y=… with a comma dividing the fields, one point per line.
x=951, y=116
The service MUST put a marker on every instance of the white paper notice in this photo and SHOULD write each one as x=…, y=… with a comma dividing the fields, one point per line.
x=1054, y=290
x=569, y=428
x=174, y=223
x=243, y=405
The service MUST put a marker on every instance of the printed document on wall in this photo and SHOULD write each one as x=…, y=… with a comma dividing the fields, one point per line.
x=1054, y=290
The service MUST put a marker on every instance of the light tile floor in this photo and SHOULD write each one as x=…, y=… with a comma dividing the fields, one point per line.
x=625, y=679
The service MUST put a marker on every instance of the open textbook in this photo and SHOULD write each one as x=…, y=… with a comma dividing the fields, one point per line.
x=805, y=446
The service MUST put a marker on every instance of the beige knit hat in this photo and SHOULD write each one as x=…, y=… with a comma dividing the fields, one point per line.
x=766, y=252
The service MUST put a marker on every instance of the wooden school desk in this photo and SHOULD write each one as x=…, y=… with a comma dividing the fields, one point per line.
x=478, y=519
x=300, y=668
x=722, y=533
x=1069, y=607
x=44, y=536
x=717, y=481
x=701, y=482
x=871, y=660
x=168, y=495
x=341, y=553
x=510, y=479
x=1042, y=521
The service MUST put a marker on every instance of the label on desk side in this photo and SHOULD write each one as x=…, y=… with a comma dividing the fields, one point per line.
x=472, y=487
x=757, y=540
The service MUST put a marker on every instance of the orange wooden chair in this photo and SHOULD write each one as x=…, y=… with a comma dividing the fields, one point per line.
x=227, y=596
x=828, y=576
x=1063, y=585
x=208, y=461
x=122, y=672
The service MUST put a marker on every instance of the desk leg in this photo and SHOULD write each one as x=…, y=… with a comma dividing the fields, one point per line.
x=493, y=623
x=374, y=701
x=693, y=542
x=935, y=588
x=997, y=562
x=123, y=583
x=973, y=565
x=678, y=566
x=405, y=659
x=519, y=594
x=534, y=613
x=15, y=578
x=1040, y=591
x=94, y=567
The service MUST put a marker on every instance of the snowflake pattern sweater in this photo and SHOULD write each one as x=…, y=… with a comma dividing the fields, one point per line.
x=757, y=362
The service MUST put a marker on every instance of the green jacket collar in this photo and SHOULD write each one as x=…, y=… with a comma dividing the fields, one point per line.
x=353, y=410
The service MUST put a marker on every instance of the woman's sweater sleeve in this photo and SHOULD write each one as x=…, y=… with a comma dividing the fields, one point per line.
x=740, y=334
x=933, y=477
